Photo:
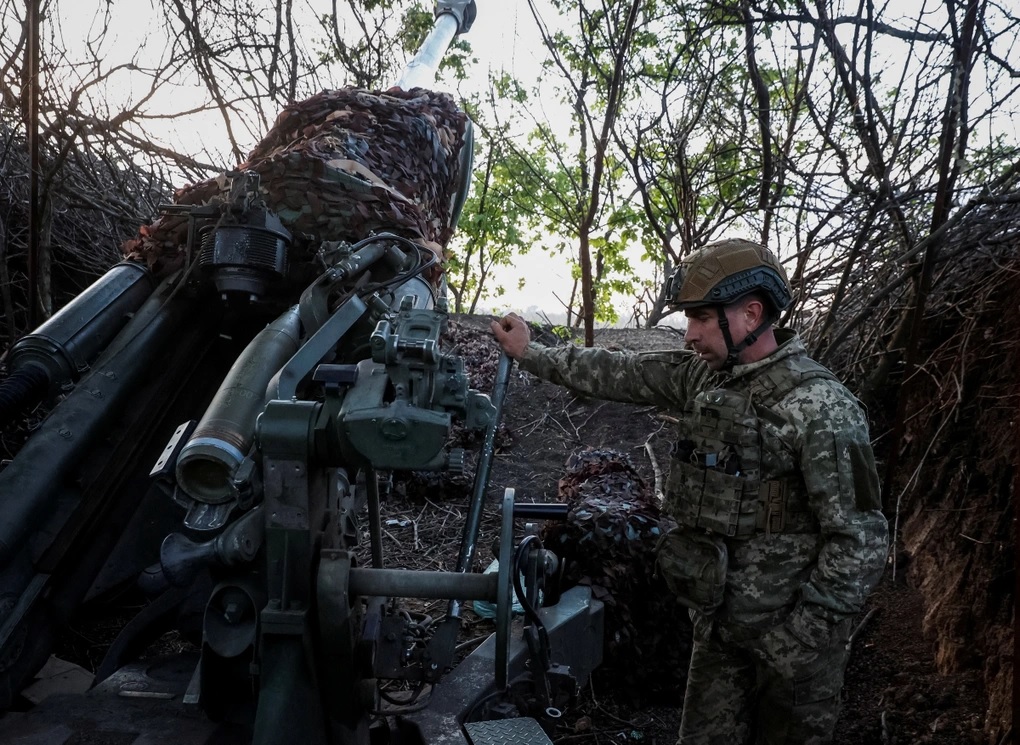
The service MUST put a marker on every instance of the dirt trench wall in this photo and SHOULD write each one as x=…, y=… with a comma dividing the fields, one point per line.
x=956, y=480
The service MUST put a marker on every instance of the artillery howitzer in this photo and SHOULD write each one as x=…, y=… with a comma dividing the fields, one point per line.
x=244, y=437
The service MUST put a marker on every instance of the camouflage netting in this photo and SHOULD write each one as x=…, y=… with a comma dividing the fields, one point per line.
x=608, y=543
x=339, y=166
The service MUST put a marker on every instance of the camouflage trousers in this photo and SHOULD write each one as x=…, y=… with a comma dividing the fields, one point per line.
x=762, y=687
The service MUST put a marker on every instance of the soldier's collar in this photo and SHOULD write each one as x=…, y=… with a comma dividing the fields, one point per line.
x=789, y=344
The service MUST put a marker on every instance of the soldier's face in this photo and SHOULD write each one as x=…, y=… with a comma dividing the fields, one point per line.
x=706, y=338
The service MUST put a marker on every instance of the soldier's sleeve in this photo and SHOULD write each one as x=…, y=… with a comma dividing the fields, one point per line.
x=660, y=378
x=839, y=471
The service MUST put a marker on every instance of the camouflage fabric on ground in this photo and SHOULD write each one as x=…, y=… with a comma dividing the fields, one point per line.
x=608, y=543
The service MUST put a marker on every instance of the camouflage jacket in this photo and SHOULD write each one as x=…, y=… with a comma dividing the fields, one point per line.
x=812, y=580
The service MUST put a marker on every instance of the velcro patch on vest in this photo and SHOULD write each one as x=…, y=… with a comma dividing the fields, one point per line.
x=713, y=481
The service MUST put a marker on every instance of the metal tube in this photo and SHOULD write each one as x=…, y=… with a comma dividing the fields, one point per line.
x=207, y=463
x=452, y=17
x=408, y=583
x=474, y=517
x=420, y=72
x=357, y=262
x=541, y=511
x=65, y=346
x=82, y=417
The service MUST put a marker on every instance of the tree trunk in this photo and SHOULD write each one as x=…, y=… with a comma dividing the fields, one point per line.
x=5, y=288
x=45, y=259
x=587, y=297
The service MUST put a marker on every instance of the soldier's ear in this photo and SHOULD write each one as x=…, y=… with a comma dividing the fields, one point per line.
x=754, y=311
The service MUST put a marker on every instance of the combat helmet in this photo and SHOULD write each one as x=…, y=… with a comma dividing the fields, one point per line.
x=723, y=272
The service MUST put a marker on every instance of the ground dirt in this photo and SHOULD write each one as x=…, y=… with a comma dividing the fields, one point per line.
x=893, y=693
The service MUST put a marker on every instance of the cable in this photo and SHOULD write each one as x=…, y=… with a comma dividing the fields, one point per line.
x=529, y=609
x=419, y=267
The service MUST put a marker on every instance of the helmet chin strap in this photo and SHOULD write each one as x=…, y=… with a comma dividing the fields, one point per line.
x=733, y=350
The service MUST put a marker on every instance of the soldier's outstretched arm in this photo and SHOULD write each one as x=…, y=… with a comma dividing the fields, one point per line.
x=666, y=378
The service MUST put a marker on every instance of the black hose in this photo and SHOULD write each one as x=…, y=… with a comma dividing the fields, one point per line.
x=419, y=267
x=530, y=612
x=21, y=390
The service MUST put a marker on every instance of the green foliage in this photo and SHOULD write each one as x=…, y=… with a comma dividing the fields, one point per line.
x=497, y=224
x=723, y=14
x=416, y=22
x=573, y=172
x=564, y=333
x=674, y=156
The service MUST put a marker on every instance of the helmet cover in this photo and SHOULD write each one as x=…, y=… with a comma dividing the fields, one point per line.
x=725, y=271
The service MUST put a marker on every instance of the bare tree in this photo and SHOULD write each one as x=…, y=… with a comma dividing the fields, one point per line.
x=690, y=145
x=120, y=124
x=844, y=141
x=94, y=181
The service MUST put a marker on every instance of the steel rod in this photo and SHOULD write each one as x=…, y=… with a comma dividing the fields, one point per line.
x=474, y=517
x=408, y=583
x=541, y=510
x=374, y=515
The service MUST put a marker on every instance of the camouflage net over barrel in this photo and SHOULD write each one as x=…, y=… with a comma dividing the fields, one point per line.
x=339, y=166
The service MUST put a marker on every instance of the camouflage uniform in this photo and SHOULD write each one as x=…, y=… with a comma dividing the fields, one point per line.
x=768, y=662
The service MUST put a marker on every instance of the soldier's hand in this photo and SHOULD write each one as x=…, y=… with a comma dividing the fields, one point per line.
x=512, y=333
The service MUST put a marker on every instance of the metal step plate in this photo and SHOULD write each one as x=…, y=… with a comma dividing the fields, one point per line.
x=521, y=731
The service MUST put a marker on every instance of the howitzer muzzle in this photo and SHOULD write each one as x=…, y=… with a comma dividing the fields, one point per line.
x=453, y=17
x=57, y=353
x=207, y=463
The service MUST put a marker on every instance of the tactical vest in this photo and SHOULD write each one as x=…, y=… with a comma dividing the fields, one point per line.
x=726, y=439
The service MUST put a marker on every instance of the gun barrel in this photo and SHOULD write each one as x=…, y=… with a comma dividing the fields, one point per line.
x=453, y=17
x=420, y=72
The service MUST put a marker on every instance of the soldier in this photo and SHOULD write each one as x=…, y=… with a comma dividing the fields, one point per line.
x=773, y=485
